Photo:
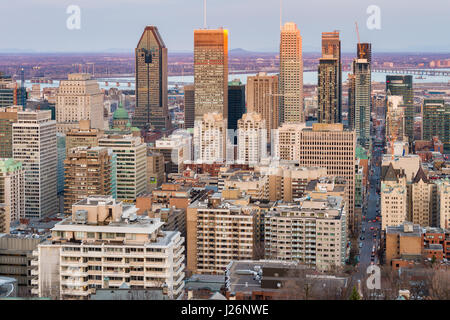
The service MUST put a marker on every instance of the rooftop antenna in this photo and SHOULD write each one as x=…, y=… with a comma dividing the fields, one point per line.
x=204, y=15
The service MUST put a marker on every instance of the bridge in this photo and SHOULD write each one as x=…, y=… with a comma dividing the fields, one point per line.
x=418, y=72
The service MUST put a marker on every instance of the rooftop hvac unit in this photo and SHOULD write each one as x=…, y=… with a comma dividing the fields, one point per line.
x=81, y=216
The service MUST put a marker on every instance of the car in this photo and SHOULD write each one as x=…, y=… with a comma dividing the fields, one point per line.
x=374, y=220
x=371, y=228
x=360, y=244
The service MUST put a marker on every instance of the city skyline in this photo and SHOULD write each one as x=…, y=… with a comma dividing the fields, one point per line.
x=104, y=28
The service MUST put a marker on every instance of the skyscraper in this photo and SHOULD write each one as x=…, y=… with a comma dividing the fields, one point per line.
x=395, y=118
x=189, y=106
x=291, y=75
x=8, y=115
x=236, y=103
x=330, y=79
x=403, y=86
x=262, y=98
x=79, y=98
x=151, y=82
x=436, y=121
x=10, y=93
x=34, y=144
x=12, y=188
x=211, y=72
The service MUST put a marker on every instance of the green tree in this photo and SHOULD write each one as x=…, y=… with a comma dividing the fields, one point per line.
x=355, y=295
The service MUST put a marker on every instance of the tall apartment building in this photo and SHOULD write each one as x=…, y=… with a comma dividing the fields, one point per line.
x=211, y=72
x=252, y=138
x=286, y=141
x=330, y=79
x=360, y=107
x=210, y=136
x=12, y=190
x=262, y=97
x=394, y=197
x=106, y=245
x=436, y=121
x=236, y=103
x=83, y=136
x=8, y=115
x=34, y=144
x=220, y=229
x=403, y=86
x=313, y=232
x=88, y=172
x=443, y=203
x=395, y=118
x=330, y=146
x=422, y=200
x=189, y=106
x=131, y=164
x=291, y=75
x=151, y=82
x=79, y=98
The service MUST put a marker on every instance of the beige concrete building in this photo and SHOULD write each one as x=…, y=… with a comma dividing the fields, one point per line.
x=422, y=200
x=286, y=141
x=210, y=136
x=131, y=164
x=83, y=136
x=155, y=170
x=403, y=241
x=291, y=75
x=313, y=232
x=211, y=72
x=220, y=229
x=252, y=139
x=176, y=149
x=443, y=203
x=263, y=98
x=12, y=188
x=105, y=245
x=394, y=197
x=409, y=163
x=79, y=98
x=34, y=144
x=87, y=172
x=251, y=183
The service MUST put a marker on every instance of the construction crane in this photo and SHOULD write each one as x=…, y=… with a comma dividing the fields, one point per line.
x=360, y=47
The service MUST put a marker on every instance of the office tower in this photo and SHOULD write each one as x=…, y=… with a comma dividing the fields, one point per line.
x=88, y=172
x=211, y=72
x=252, y=138
x=351, y=100
x=291, y=75
x=83, y=136
x=331, y=147
x=131, y=164
x=262, y=98
x=155, y=170
x=176, y=149
x=422, y=200
x=61, y=150
x=189, y=106
x=10, y=93
x=395, y=118
x=236, y=103
x=79, y=98
x=286, y=141
x=364, y=51
x=104, y=245
x=220, y=229
x=403, y=86
x=436, y=121
x=293, y=232
x=330, y=79
x=8, y=115
x=360, y=106
x=210, y=138
x=12, y=188
x=394, y=197
x=443, y=203
x=34, y=144
x=151, y=82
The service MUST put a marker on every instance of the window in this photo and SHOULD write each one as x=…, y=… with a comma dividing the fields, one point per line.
x=91, y=235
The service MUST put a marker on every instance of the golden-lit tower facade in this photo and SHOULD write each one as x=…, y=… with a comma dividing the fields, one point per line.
x=291, y=75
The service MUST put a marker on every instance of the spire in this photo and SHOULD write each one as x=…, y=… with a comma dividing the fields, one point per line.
x=420, y=176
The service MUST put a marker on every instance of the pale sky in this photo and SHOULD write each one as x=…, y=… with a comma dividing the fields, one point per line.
x=40, y=25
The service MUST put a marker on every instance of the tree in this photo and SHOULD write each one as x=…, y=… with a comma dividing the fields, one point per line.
x=355, y=295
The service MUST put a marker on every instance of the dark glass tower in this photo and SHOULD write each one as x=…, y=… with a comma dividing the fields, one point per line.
x=236, y=103
x=151, y=82
x=403, y=86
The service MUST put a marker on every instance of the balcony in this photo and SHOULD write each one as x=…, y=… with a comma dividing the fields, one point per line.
x=34, y=263
x=35, y=291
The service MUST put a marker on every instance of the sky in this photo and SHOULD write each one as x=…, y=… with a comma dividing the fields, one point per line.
x=116, y=25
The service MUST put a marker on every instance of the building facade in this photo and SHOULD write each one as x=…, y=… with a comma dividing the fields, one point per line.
x=252, y=138
x=12, y=189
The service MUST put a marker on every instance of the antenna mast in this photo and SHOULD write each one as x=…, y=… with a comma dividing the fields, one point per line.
x=281, y=14
x=204, y=14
